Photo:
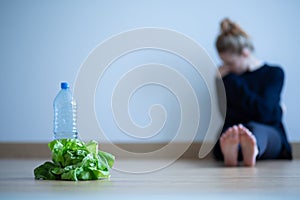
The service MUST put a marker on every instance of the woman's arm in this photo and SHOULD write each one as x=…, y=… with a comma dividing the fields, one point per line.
x=258, y=106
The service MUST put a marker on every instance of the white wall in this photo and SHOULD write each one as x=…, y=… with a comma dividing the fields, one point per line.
x=45, y=42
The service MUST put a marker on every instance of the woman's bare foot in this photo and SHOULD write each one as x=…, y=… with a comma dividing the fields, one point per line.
x=248, y=146
x=229, y=142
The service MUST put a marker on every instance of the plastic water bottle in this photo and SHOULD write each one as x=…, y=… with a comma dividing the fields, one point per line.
x=64, y=113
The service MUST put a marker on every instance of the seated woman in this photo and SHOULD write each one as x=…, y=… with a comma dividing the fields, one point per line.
x=253, y=126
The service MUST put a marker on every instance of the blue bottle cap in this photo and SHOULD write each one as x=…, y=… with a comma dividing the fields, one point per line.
x=64, y=85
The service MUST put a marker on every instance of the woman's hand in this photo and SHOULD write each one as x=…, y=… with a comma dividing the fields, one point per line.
x=224, y=70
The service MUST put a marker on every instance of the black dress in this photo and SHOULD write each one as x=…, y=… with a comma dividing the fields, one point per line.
x=253, y=99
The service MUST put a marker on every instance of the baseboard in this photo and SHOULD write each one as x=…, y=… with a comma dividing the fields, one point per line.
x=41, y=150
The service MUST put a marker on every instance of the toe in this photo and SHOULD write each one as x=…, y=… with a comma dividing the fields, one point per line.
x=235, y=130
x=227, y=132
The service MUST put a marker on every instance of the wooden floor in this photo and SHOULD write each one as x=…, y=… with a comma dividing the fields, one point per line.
x=185, y=179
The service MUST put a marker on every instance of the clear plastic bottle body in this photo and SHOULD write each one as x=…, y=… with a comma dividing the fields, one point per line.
x=65, y=114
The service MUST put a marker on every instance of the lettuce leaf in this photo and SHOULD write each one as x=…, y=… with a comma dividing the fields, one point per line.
x=74, y=160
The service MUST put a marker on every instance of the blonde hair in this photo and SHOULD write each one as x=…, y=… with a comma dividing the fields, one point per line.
x=232, y=38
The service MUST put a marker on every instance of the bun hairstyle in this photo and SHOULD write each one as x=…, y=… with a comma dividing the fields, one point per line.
x=232, y=38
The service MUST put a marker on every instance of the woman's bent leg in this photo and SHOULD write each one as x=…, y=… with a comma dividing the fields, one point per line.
x=268, y=140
